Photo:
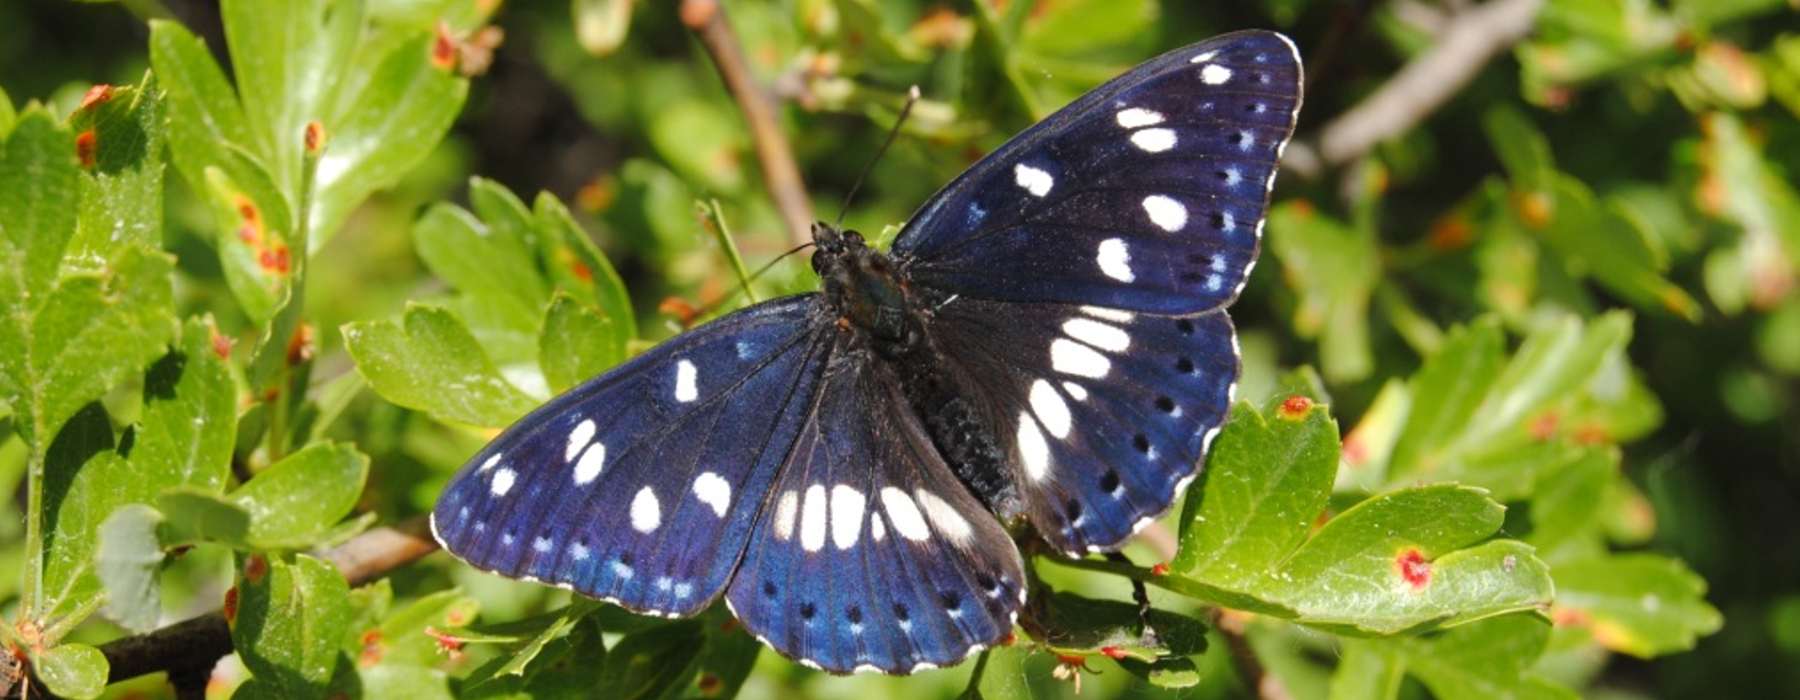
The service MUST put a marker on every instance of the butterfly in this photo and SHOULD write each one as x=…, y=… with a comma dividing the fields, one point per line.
x=1045, y=342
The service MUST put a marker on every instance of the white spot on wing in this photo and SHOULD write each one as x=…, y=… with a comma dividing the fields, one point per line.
x=1134, y=117
x=578, y=439
x=1050, y=408
x=904, y=514
x=1034, y=450
x=1034, y=180
x=1154, y=140
x=686, y=388
x=1119, y=315
x=1101, y=335
x=944, y=516
x=786, y=511
x=1070, y=357
x=503, y=481
x=580, y=552
x=541, y=544
x=846, y=515
x=812, y=519
x=1202, y=58
x=1115, y=260
x=622, y=570
x=491, y=461
x=1165, y=212
x=876, y=529
x=713, y=490
x=588, y=467
x=646, y=512
x=1215, y=74
x=1076, y=390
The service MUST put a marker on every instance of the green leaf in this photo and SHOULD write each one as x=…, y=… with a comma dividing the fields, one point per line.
x=290, y=619
x=579, y=341
x=1640, y=604
x=39, y=188
x=563, y=668
x=1334, y=268
x=206, y=124
x=577, y=266
x=1405, y=560
x=493, y=264
x=191, y=517
x=189, y=421
x=286, y=58
x=1485, y=661
x=382, y=127
x=1522, y=149
x=646, y=664
x=75, y=671
x=95, y=328
x=1366, y=670
x=433, y=364
x=128, y=559
x=402, y=637
x=255, y=246
x=121, y=193
x=296, y=500
x=1265, y=484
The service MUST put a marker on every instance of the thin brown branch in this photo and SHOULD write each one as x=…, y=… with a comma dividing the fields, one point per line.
x=1466, y=42
x=192, y=647
x=1250, y=670
x=707, y=20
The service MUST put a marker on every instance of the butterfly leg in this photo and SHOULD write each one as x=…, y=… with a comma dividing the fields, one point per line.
x=1142, y=596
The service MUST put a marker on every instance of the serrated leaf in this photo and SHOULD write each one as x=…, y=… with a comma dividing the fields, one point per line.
x=564, y=668
x=493, y=265
x=75, y=671
x=285, y=58
x=1645, y=605
x=432, y=363
x=121, y=192
x=1446, y=392
x=1266, y=481
x=128, y=559
x=189, y=419
x=39, y=186
x=578, y=341
x=1489, y=660
x=289, y=622
x=206, y=122
x=295, y=500
x=402, y=639
x=1403, y=560
x=203, y=516
x=255, y=245
x=577, y=266
x=385, y=126
x=646, y=664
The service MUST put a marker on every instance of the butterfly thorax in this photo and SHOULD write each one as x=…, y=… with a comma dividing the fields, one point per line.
x=886, y=317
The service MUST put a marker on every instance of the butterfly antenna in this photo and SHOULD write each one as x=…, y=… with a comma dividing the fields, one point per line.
x=912, y=96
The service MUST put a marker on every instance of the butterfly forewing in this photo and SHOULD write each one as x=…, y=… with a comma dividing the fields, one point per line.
x=1146, y=194
x=641, y=486
x=872, y=556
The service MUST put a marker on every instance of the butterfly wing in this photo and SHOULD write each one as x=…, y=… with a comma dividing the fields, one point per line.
x=641, y=486
x=872, y=555
x=1104, y=413
x=1147, y=193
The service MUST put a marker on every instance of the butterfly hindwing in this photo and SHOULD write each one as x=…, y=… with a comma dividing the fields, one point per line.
x=641, y=486
x=1147, y=193
x=872, y=556
x=1104, y=414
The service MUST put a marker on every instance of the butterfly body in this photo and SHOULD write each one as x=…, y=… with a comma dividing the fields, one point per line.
x=1045, y=343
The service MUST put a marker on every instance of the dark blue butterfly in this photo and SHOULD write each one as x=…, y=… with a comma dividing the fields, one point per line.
x=1046, y=342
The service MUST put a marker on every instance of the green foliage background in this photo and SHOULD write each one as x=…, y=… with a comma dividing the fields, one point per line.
x=1570, y=290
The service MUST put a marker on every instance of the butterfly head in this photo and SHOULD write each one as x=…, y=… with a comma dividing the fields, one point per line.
x=860, y=282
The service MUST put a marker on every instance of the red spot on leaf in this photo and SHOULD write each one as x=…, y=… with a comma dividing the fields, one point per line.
x=443, y=50
x=729, y=625
x=255, y=568
x=1562, y=616
x=1413, y=568
x=371, y=649
x=446, y=642
x=709, y=684
x=247, y=211
x=456, y=617
x=95, y=96
x=231, y=605
x=1544, y=427
x=1451, y=233
x=582, y=271
x=1113, y=653
x=1161, y=569
x=1076, y=660
x=221, y=345
x=684, y=311
x=1294, y=408
x=315, y=137
x=1592, y=434
x=86, y=144
x=301, y=347
x=1011, y=639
